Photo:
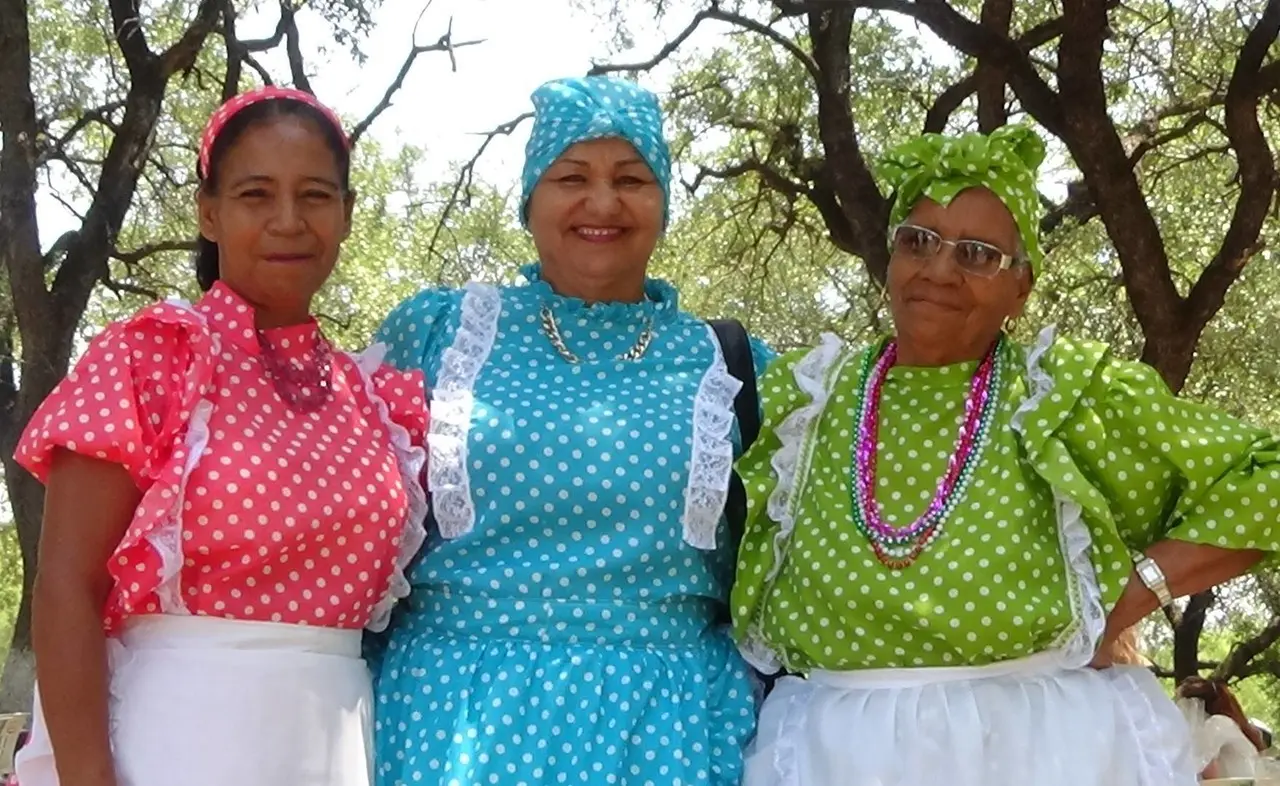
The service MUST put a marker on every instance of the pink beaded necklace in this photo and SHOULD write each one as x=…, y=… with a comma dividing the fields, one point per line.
x=899, y=547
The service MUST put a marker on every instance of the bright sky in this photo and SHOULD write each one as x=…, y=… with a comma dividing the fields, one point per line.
x=527, y=42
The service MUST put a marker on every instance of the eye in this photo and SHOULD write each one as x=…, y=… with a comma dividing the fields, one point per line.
x=571, y=179
x=915, y=240
x=977, y=255
x=253, y=193
x=631, y=180
x=316, y=195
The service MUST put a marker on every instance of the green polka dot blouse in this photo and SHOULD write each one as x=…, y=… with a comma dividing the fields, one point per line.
x=1091, y=460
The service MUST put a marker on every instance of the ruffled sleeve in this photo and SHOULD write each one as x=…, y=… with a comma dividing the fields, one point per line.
x=793, y=393
x=405, y=395
x=413, y=330
x=1147, y=465
x=120, y=403
x=138, y=397
x=399, y=398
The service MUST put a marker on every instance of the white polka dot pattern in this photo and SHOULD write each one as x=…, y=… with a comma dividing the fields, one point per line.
x=572, y=636
x=275, y=515
x=1102, y=442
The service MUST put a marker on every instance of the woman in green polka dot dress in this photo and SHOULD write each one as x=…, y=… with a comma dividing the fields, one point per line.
x=948, y=530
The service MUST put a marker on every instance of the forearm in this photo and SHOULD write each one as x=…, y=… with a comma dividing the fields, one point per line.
x=1188, y=568
x=71, y=666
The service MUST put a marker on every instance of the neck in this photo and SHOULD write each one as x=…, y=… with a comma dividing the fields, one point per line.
x=931, y=355
x=592, y=289
x=265, y=318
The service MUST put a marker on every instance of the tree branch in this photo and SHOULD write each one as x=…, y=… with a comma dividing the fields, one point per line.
x=119, y=288
x=127, y=28
x=237, y=53
x=136, y=255
x=293, y=49
x=772, y=177
x=996, y=16
x=462, y=185
x=947, y=102
x=850, y=182
x=1256, y=169
x=998, y=51
x=265, y=44
x=101, y=115
x=953, y=97
x=19, y=230
x=444, y=44
x=1186, y=635
x=714, y=12
x=182, y=54
x=1245, y=651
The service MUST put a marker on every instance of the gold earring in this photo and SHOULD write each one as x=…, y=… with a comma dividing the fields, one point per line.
x=1010, y=325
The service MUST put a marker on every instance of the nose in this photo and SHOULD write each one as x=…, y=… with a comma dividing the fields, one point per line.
x=942, y=266
x=287, y=219
x=602, y=198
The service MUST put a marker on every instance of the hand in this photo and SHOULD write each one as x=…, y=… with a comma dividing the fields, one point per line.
x=1104, y=657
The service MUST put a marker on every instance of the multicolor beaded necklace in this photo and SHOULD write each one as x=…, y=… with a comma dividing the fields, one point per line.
x=899, y=547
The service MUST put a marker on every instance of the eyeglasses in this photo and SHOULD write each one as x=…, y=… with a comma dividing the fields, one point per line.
x=973, y=256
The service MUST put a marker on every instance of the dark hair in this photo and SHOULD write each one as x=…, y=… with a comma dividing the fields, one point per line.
x=206, y=254
x=1219, y=700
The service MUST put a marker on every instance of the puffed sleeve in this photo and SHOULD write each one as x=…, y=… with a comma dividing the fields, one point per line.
x=1139, y=464
x=412, y=330
x=118, y=403
x=405, y=395
x=1174, y=468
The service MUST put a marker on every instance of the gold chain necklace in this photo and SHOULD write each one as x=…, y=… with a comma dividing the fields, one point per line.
x=552, y=329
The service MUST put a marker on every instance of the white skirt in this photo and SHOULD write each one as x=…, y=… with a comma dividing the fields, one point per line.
x=200, y=701
x=1021, y=723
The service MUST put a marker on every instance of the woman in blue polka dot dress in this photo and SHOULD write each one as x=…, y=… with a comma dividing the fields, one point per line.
x=565, y=619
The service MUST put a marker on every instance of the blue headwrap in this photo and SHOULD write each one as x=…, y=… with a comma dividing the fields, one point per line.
x=569, y=111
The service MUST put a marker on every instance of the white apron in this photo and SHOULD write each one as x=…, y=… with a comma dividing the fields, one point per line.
x=1027, y=722
x=201, y=701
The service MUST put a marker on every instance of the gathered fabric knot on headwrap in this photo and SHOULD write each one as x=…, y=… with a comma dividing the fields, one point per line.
x=569, y=111
x=941, y=167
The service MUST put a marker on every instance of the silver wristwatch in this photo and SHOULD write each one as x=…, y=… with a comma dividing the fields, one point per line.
x=1153, y=578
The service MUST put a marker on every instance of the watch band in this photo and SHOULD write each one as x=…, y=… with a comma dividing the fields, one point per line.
x=1151, y=575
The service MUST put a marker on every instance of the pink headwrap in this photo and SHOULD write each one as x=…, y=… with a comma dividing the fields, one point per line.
x=233, y=106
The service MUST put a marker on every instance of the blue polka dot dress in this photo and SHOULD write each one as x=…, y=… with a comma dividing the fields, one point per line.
x=566, y=623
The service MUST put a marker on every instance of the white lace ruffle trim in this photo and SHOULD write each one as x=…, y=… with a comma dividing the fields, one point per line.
x=452, y=400
x=711, y=462
x=1073, y=534
x=410, y=459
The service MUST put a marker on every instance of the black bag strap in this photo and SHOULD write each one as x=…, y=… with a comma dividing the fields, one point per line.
x=735, y=344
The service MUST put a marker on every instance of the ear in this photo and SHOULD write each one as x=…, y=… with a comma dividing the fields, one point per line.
x=206, y=210
x=348, y=206
x=1023, y=284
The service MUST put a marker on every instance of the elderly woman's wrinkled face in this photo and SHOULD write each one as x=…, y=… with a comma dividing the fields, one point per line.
x=943, y=313
x=596, y=214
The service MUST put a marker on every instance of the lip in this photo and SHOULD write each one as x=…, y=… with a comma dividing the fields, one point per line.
x=289, y=259
x=596, y=234
x=943, y=305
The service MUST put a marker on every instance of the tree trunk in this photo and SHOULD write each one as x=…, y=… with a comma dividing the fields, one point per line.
x=26, y=496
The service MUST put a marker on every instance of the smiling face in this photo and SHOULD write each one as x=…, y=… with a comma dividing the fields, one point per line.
x=595, y=216
x=943, y=314
x=278, y=214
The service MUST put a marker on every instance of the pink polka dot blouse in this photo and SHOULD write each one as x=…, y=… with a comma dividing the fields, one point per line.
x=250, y=510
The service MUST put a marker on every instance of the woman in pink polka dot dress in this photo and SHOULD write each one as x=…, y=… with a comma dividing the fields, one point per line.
x=237, y=499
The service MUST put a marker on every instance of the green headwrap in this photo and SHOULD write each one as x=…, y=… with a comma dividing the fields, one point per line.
x=940, y=167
